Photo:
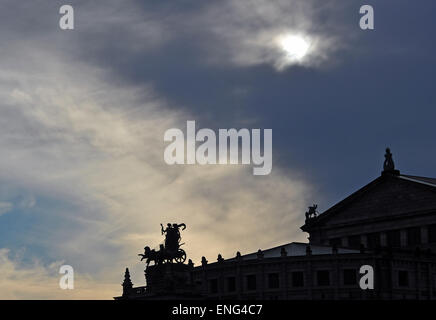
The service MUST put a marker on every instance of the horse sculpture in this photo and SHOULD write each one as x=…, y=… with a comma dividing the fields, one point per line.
x=151, y=255
x=158, y=257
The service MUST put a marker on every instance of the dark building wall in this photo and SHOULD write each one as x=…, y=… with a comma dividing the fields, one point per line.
x=402, y=276
x=406, y=232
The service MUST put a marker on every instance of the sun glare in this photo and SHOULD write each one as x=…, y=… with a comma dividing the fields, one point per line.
x=295, y=47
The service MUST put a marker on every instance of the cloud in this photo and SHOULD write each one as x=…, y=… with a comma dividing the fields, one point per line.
x=99, y=148
x=241, y=33
x=248, y=33
x=39, y=281
x=27, y=202
x=94, y=147
x=5, y=207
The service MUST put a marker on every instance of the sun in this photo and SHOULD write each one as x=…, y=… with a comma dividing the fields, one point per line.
x=295, y=47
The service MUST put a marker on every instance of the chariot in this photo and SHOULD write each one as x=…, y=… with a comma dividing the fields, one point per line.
x=168, y=252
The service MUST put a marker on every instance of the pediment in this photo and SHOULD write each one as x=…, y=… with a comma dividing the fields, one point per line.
x=384, y=197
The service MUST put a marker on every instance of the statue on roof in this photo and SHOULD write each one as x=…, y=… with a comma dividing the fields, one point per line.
x=171, y=250
x=312, y=212
x=172, y=235
x=388, y=165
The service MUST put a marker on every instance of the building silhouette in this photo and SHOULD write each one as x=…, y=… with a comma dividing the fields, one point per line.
x=389, y=224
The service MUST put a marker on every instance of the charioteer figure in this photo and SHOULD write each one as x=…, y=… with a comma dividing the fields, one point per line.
x=172, y=236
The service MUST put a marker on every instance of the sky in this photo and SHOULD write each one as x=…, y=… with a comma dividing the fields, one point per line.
x=84, y=111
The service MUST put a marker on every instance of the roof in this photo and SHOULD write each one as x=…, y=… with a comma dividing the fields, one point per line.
x=295, y=249
x=423, y=180
x=429, y=183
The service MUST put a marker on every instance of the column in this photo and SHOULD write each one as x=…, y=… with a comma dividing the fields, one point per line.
x=424, y=235
x=364, y=240
x=403, y=237
x=383, y=239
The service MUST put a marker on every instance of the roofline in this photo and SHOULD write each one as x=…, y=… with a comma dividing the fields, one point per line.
x=381, y=219
x=355, y=194
x=417, y=181
x=343, y=202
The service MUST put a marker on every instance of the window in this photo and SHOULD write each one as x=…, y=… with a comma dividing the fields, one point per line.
x=354, y=241
x=231, y=284
x=323, y=277
x=350, y=277
x=373, y=240
x=393, y=238
x=403, y=278
x=413, y=236
x=251, y=282
x=432, y=233
x=298, y=279
x=213, y=285
x=273, y=280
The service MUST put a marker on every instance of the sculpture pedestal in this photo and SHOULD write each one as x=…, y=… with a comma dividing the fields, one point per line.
x=170, y=281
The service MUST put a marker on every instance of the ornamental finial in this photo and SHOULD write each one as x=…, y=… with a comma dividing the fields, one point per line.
x=388, y=164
